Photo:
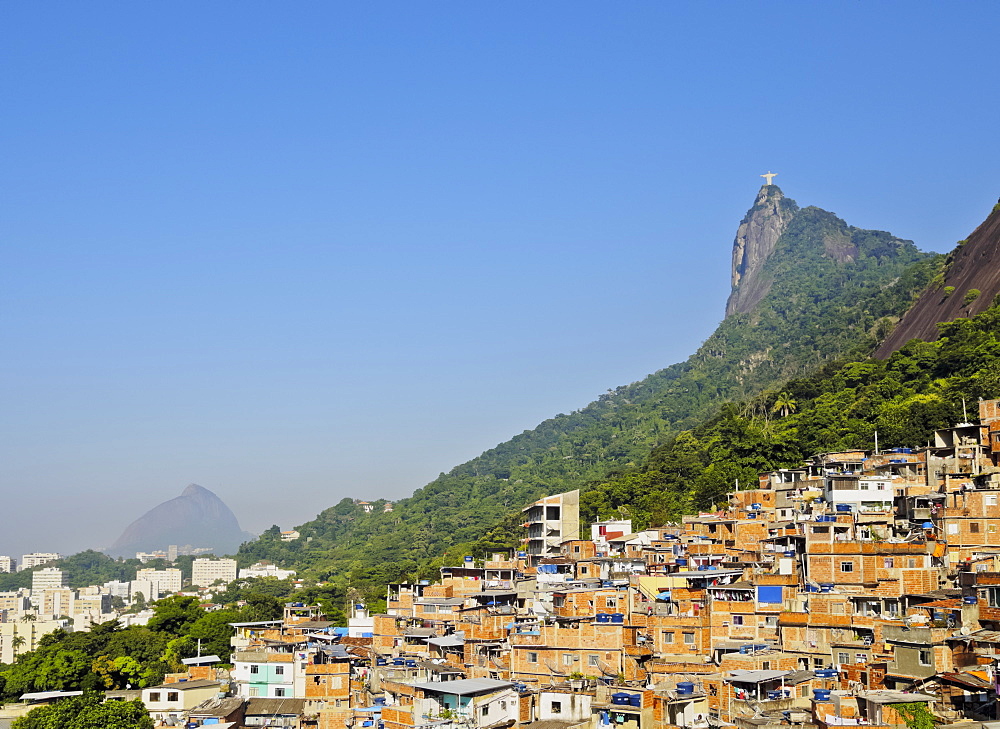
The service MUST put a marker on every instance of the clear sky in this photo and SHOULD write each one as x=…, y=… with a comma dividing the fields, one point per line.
x=300, y=251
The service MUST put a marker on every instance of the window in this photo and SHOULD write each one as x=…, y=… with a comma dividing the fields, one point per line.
x=861, y=658
x=837, y=608
x=576, y=548
x=279, y=692
x=173, y=696
x=765, y=665
x=953, y=528
x=990, y=500
x=771, y=621
x=583, y=569
x=974, y=527
x=567, y=659
x=254, y=692
x=821, y=530
x=912, y=562
x=532, y=657
x=817, y=662
x=485, y=711
x=925, y=657
x=557, y=707
x=668, y=637
x=737, y=620
x=843, y=658
x=154, y=696
x=254, y=669
x=887, y=563
x=846, y=566
x=689, y=638
x=593, y=660
x=279, y=670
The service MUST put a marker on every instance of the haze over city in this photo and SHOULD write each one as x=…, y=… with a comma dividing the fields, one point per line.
x=297, y=254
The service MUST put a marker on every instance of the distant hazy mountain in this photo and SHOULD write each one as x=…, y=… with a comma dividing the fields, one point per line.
x=197, y=517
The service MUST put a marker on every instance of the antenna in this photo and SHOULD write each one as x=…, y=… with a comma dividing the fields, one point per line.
x=965, y=415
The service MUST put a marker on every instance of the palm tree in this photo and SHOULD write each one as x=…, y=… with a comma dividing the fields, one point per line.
x=17, y=642
x=784, y=404
x=28, y=618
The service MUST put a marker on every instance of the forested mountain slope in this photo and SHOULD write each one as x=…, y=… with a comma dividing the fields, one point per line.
x=823, y=290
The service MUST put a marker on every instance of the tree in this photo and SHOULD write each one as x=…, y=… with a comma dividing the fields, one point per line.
x=784, y=404
x=17, y=642
x=175, y=614
x=87, y=712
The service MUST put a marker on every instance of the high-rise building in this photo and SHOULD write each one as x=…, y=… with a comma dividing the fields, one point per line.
x=166, y=581
x=8, y=564
x=47, y=578
x=36, y=559
x=205, y=572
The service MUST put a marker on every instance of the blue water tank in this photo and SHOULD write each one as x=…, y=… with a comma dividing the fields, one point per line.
x=789, y=553
x=685, y=688
x=970, y=600
x=821, y=694
x=636, y=700
x=380, y=661
x=681, y=562
x=843, y=507
x=620, y=698
x=826, y=587
x=617, y=617
x=774, y=695
x=755, y=506
x=603, y=618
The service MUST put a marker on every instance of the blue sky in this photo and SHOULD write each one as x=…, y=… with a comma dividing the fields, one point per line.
x=296, y=252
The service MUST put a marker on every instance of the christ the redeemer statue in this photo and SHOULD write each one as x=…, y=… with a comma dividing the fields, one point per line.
x=769, y=176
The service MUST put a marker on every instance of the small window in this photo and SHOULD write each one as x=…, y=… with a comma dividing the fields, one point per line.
x=974, y=527
x=765, y=665
x=173, y=696
x=990, y=500
x=593, y=660
x=254, y=692
x=821, y=530
x=557, y=707
x=689, y=638
x=952, y=528
x=817, y=662
x=912, y=563
x=254, y=669
x=583, y=569
x=861, y=658
x=567, y=659
x=837, y=608
x=532, y=657
x=576, y=548
x=925, y=657
x=279, y=670
x=887, y=563
x=485, y=711
x=668, y=637
x=771, y=621
x=843, y=658
x=737, y=620
x=846, y=566
x=154, y=696
x=279, y=692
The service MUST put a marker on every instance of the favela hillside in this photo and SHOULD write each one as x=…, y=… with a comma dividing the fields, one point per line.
x=797, y=526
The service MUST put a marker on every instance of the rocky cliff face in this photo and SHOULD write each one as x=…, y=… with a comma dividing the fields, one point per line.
x=973, y=266
x=197, y=517
x=755, y=241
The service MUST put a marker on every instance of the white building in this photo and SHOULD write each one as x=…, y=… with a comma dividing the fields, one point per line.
x=262, y=569
x=47, y=578
x=206, y=572
x=36, y=559
x=20, y=636
x=8, y=564
x=165, y=581
x=849, y=493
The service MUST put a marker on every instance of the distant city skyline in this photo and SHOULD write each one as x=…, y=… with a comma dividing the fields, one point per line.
x=298, y=254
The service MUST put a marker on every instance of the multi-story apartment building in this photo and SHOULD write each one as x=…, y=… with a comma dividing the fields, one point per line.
x=36, y=559
x=207, y=572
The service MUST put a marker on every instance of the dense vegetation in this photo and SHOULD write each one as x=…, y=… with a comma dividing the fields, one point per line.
x=111, y=657
x=905, y=398
x=836, y=291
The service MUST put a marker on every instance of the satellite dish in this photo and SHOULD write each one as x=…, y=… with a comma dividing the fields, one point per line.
x=965, y=630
